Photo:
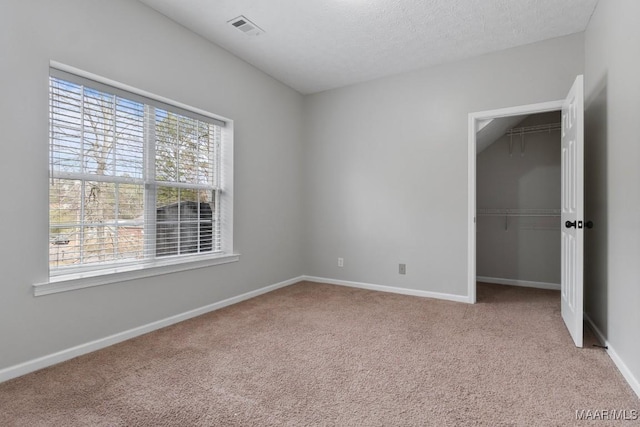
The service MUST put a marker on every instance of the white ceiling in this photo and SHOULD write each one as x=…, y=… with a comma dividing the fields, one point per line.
x=323, y=44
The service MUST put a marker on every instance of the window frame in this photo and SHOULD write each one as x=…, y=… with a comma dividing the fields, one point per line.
x=64, y=279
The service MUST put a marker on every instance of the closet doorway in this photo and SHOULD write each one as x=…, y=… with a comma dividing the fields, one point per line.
x=518, y=201
x=527, y=209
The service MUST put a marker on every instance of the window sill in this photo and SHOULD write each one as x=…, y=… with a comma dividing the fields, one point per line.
x=69, y=282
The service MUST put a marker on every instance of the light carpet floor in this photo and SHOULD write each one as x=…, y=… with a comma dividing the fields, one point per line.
x=314, y=354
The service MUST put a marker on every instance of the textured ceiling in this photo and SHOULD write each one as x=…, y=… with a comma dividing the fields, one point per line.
x=318, y=45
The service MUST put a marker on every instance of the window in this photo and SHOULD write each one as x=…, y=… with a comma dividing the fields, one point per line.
x=133, y=180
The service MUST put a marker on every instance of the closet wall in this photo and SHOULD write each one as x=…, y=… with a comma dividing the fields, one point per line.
x=518, y=202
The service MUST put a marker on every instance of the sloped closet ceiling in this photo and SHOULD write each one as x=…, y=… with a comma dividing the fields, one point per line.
x=492, y=130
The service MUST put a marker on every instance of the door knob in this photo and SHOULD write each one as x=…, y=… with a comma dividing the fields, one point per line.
x=578, y=224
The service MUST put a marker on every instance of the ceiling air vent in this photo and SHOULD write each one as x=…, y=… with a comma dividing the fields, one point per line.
x=246, y=26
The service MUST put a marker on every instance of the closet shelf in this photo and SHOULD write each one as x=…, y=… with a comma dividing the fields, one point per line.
x=525, y=130
x=518, y=212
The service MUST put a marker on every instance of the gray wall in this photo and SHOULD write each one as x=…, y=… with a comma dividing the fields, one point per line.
x=529, y=248
x=386, y=163
x=125, y=41
x=612, y=199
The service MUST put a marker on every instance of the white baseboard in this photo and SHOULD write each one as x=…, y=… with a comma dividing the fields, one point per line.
x=622, y=367
x=523, y=283
x=391, y=289
x=61, y=356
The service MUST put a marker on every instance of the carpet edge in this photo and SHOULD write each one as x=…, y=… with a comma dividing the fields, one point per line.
x=390, y=289
x=617, y=360
x=91, y=346
x=516, y=282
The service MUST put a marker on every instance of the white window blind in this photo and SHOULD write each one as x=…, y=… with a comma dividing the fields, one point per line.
x=132, y=179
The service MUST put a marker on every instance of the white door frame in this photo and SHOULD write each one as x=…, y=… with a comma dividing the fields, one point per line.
x=474, y=118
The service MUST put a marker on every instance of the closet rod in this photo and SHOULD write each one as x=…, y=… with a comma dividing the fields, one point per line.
x=521, y=215
x=519, y=212
x=508, y=213
x=534, y=129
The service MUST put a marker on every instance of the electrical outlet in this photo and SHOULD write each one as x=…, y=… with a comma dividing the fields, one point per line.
x=402, y=269
x=340, y=262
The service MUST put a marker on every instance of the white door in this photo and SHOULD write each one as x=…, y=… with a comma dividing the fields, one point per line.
x=572, y=209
